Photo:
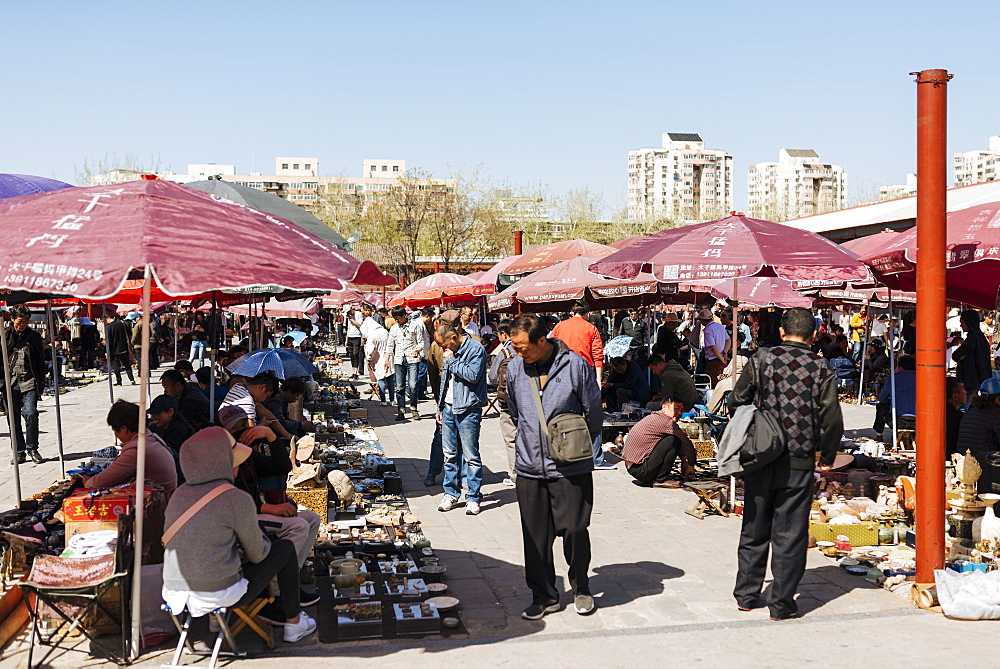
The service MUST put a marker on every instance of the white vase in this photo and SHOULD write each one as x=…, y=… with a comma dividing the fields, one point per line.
x=988, y=526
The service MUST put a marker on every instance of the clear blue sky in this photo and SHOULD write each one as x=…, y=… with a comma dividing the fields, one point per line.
x=546, y=91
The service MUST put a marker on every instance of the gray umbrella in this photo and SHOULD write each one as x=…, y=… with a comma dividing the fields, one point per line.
x=272, y=204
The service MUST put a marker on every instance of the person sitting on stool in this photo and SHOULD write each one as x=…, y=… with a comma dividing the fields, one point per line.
x=626, y=383
x=653, y=445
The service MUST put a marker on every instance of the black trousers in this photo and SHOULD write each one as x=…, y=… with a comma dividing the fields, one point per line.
x=659, y=465
x=118, y=361
x=355, y=351
x=776, y=519
x=550, y=508
x=281, y=561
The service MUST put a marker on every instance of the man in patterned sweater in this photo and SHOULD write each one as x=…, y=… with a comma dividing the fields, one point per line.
x=795, y=386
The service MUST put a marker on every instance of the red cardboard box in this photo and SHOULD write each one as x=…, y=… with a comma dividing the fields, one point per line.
x=80, y=507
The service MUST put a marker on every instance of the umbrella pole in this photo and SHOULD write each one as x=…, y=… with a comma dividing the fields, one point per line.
x=212, y=352
x=9, y=404
x=861, y=379
x=107, y=350
x=55, y=382
x=736, y=326
x=140, y=477
x=176, y=337
x=892, y=372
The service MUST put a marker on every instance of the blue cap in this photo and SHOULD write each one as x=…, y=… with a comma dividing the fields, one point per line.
x=990, y=386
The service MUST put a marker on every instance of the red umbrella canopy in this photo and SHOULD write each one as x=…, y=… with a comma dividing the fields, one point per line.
x=730, y=248
x=487, y=283
x=85, y=242
x=866, y=296
x=559, y=286
x=864, y=245
x=434, y=289
x=972, y=272
x=762, y=291
x=550, y=254
x=338, y=298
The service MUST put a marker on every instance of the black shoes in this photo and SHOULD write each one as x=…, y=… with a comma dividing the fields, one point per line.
x=536, y=611
x=21, y=459
x=35, y=456
x=400, y=415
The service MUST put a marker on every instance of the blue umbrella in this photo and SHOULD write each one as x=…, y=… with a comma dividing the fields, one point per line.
x=284, y=362
x=15, y=185
x=297, y=335
x=617, y=347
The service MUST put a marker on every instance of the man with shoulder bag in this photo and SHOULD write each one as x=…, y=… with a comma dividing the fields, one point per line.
x=556, y=406
x=797, y=393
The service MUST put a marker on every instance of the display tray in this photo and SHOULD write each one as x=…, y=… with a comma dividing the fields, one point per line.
x=417, y=590
x=416, y=619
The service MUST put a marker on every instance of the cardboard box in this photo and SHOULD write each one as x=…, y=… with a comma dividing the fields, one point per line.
x=79, y=507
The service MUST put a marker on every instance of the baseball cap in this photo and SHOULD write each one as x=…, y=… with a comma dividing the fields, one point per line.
x=161, y=403
x=450, y=317
x=232, y=414
x=990, y=386
x=706, y=315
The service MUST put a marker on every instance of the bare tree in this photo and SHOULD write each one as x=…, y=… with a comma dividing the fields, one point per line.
x=112, y=169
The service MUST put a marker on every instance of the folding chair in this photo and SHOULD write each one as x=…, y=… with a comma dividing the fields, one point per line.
x=492, y=402
x=74, y=589
x=246, y=616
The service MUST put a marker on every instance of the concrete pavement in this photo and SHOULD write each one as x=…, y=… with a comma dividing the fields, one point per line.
x=662, y=579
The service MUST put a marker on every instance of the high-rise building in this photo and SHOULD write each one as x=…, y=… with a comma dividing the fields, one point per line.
x=682, y=181
x=799, y=184
x=901, y=190
x=973, y=167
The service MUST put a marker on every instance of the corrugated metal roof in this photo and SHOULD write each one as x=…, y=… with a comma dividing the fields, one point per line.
x=897, y=214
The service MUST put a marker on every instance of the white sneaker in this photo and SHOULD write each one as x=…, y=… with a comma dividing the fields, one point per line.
x=508, y=482
x=447, y=503
x=298, y=631
x=471, y=508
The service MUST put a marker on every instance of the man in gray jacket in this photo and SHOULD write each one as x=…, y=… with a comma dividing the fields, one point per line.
x=555, y=498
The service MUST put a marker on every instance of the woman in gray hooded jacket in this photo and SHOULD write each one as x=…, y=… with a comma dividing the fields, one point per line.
x=202, y=569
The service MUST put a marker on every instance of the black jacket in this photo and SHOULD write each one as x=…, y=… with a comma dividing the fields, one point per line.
x=119, y=335
x=973, y=356
x=979, y=430
x=634, y=329
x=801, y=391
x=33, y=347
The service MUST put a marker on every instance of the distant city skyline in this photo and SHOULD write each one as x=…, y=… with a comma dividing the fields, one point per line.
x=556, y=93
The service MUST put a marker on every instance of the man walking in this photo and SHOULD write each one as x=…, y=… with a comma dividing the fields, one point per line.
x=554, y=498
x=463, y=395
x=797, y=388
x=119, y=338
x=407, y=343
x=497, y=377
x=26, y=361
x=714, y=337
x=354, y=343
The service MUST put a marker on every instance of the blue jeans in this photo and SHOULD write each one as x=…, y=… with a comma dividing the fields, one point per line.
x=460, y=439
x=387, y=388
x=406, y=383
x=598, y=451
x=422, y=379
x=25, y=403
x=197, y=351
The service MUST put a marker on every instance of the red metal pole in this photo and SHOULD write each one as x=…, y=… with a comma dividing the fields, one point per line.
x=932, y=166
x=517, y=242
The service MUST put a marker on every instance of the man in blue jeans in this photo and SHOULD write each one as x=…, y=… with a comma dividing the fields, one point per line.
x=26, y=360
x=460, y=412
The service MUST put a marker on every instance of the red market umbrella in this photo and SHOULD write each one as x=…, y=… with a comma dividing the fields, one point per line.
x=732, y=248
x=558, y=287
x=761, y=292
x=85, y=242
x=443, y=287
x=338, y=298
x=622, y=243
x=274, y=309
x=487, y=283
x=864, y=245
x=550, y=254
x=972, y=272
x=874, y=296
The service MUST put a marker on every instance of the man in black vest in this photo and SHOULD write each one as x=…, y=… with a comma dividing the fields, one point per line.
x=799, y=390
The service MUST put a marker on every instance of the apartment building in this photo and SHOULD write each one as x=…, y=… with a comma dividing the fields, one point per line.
x=973, y=167
x=798, y=184
x=681, y=180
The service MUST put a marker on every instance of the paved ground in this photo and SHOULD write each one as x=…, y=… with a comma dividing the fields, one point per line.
x=661, y=578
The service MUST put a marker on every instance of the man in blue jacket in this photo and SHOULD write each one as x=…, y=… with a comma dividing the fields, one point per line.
x=626, y=383
x=555, y=498
x=460, y=403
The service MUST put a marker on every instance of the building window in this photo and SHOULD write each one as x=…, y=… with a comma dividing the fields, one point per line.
x=385, y=168
x=295, y=166
x=308, y=166
x=395, y=168
x=373, y=168
x=284, y=166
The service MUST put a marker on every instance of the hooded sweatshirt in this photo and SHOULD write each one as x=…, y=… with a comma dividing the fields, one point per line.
x=973, y=356
x=203, y=555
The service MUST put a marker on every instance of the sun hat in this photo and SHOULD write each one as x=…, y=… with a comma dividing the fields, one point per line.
x=671, y=317
x=706, y=315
